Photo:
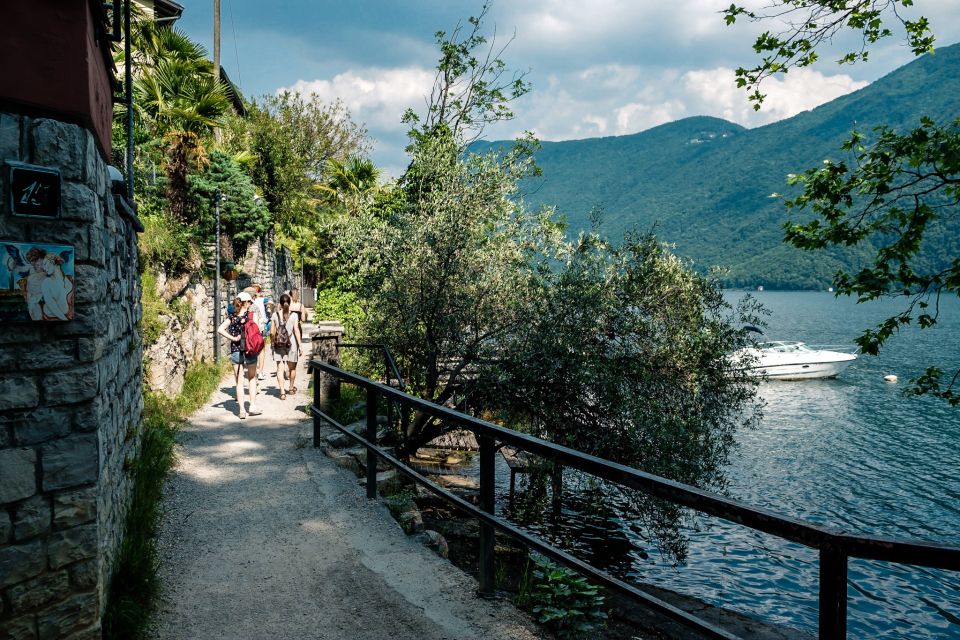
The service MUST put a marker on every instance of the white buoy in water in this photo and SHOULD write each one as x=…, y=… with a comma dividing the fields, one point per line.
x=890, y=378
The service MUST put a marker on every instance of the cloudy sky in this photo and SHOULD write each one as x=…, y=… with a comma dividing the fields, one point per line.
x=598, y=67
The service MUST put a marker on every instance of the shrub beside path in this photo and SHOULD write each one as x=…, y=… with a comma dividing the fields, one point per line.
x=264, y=537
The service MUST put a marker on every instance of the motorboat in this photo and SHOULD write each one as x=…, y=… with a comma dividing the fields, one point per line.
x=787, y=360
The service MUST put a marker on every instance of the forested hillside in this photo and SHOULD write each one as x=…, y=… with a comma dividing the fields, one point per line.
x=704, y=184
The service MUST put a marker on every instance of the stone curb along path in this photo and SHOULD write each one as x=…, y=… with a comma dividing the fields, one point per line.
x=263, y=536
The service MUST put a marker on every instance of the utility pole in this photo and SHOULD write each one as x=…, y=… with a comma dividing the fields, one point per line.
x=216, y=54
x=216, y=39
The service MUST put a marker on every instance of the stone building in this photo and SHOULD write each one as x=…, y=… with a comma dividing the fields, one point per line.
x=70, y=365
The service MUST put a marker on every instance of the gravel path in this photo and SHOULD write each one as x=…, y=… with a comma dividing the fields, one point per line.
x=264, y=537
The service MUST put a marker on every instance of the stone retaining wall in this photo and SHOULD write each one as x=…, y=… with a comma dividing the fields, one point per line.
x=70, y=398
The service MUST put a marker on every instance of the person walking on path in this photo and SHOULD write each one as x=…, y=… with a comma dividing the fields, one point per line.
x=285, y=329
x=263, y=319
x=263, y=537
x=232, y=330
x=295, y=305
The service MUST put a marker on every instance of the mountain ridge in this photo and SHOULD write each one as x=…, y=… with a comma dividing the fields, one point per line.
x=703, y=184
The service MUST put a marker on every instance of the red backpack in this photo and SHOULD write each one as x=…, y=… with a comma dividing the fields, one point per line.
x=252, y=338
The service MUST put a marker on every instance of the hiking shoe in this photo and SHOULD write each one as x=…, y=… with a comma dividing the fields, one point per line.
x=254, y=411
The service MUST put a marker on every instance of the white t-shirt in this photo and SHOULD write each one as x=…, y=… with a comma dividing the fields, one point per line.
x=261, y=315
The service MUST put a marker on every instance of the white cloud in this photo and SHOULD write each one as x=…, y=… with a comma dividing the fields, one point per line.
x=639, y=116
x=715, y=93
x=376, y=96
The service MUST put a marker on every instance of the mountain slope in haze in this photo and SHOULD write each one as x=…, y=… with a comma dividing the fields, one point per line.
x=704, y=184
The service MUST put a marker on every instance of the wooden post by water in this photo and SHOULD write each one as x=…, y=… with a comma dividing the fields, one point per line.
x=833, y=593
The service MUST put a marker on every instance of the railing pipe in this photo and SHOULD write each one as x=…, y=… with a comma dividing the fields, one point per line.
x=317, y=420
x=488, y=481
x=372, y=397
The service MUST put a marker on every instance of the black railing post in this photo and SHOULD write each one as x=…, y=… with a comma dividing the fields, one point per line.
x=316, y=404
x=488, y=479
x=833, y=593
x=372, y=397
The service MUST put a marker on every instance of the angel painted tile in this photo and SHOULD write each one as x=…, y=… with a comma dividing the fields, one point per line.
x=36, y=282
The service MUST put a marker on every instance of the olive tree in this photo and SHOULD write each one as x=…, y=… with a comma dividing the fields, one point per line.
x=443, y=267
x=625, y=355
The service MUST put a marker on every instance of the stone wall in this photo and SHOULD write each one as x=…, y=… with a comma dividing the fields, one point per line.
x=70, y=398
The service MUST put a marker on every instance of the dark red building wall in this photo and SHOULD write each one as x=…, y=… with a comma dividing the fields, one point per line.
x=52, y=64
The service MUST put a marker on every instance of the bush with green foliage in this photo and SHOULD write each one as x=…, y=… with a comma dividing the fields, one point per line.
x=561, y=599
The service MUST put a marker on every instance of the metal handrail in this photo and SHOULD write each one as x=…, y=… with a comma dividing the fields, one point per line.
x=388, y=357
x=835, y=546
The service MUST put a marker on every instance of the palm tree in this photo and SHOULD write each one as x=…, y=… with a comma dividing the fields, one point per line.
x=178, y=101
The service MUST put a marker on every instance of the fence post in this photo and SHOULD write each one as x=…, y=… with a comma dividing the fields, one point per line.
x=316, y=404
x=488, y=478
x=325, y=343
x=833, y=592
x=372, y=398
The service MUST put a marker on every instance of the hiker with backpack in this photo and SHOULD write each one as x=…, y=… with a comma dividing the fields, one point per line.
x=246, y=343
x=285, y=338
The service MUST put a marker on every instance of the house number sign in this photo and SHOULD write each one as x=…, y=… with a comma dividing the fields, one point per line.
x=34, y=191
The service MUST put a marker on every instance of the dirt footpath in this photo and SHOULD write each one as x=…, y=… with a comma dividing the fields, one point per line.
x=264, y=537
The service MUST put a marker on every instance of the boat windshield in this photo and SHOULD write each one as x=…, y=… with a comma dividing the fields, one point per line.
x=783, y=347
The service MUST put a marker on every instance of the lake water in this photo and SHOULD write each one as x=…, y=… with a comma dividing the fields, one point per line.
x=850, y=452
x=853, y=453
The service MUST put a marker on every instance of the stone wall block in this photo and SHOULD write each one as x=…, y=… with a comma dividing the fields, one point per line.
x=61, y=145
x=97, y=253
x=71, y=385
x=54, y=354
x=74, y=507
x=6, y=527
x=94, y=632
x=87, y=417
x=9, y=137
x=91, y=285
x=23, y=335
x=71, y=615
x=9, y=358
x=95, y=169
x=70, y=462
x=91, y=349
x=18, y=392
x=21, y=562
x=87, y=321
x=77, y=236
x=18, y=475
x=80, y=204
x=41, y=424
x=31, y=518
x=70, y=545
x=38, y=591
x=22, y=628
x=83, y=575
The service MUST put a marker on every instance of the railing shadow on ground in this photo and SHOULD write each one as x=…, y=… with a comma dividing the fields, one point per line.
x=835, y=547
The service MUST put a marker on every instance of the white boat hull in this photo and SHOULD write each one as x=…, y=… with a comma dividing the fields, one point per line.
x=801, y=371
x=793, y=361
